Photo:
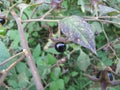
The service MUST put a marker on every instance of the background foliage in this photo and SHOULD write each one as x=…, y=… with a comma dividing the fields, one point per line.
x=103, y=49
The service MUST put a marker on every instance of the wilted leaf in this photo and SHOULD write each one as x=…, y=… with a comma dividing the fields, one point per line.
x=4, y=54
x=78, y=31
x=83, y=61
x=105, y=10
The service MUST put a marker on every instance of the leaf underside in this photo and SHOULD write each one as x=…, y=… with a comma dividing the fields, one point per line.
x=78, y=31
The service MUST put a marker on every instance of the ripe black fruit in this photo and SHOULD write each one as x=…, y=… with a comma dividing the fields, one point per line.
x=98, y=74
x=2, y=21
x=109, y=74
x=60, y=46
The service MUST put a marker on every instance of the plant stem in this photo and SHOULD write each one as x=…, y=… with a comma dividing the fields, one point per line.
x=7, y=60
x=24, y=43
x=44, y=20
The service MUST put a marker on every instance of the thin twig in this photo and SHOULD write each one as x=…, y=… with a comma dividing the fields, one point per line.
x=4, y=73
x=33, y=12
x=14, y=63
x=44, y=20
x=108, y=41
x=100, y=20
x=7, y=60
x=48, y=12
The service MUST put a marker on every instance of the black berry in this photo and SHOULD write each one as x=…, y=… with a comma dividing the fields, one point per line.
x=110, y=75
x=2, y=21
x=60, y=46
x=98, y=74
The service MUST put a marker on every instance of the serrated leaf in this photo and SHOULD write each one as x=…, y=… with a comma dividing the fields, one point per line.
x=21, y=67
x=103, y=10
x=53, y=86
x=56, y=73
x=15, y=37
x=57, y=85
x=23, y=80
x=4, y=54
x=51, y=59
x=78, y=31
x=12, y=82
x=60, y=83
x=37, y=51
x=83, y=61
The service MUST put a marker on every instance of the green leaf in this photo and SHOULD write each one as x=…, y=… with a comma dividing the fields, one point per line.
x=56, y=73
x=83, y=61
x=103, y=10
x=2, y=30
x=96, y=27
x=82, y=3
x=15, y=37
x=60, y=83
x=13, y=83
x=23, y=80
x=116, y=20
x=107, y=61
x=37, y=51
x=52, y=51
x=53, y=86
x=21, y=67
x=71, y=88
x=4, y=54
x=57, y=85
x=78, y=31
x=51, y=59
x=66, y=79
x=74, y=74
x=117, y=46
